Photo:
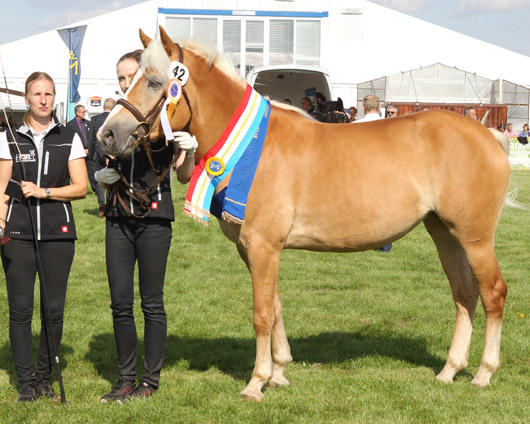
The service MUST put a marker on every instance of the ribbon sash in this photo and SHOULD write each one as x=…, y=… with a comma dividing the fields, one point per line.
x=230, y=147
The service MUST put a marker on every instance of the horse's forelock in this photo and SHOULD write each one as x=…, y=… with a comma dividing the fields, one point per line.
x=156, y=59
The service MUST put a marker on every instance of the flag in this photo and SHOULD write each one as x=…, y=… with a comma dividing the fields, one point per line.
x=73, y=38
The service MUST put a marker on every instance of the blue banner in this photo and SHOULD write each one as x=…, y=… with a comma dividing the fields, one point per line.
x=73, y=38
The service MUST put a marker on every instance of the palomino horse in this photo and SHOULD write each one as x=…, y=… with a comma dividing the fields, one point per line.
x=339, y=188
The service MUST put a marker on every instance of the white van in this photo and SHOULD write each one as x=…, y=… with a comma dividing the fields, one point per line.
x=292, y=82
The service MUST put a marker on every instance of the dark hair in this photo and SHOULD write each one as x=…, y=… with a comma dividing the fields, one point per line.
x=36, y=76
x=333, y=112
x=135, y=55
x=320, y=96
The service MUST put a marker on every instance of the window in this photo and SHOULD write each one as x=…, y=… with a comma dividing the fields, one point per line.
x=254, y=42
x=178, y=28
x=232, y=41
x=307, y=42
x=251, y=40
x=281, y=37
x=205, y=30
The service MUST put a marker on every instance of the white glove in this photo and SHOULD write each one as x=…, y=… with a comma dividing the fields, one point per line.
x=186, y=141
x=106, y=176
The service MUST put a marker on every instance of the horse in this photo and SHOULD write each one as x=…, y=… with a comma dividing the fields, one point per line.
x=336, y=188
x=333, y=112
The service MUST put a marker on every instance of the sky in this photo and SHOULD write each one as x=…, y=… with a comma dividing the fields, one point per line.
x=504, y=23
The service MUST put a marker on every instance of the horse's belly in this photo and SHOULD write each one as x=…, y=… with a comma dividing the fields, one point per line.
x=349, y=234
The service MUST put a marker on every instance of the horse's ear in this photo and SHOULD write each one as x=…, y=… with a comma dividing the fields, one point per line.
x=340, y=104
x=144, y=38
x=167, y=42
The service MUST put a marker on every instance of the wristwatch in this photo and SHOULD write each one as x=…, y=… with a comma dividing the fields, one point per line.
x=47, y=191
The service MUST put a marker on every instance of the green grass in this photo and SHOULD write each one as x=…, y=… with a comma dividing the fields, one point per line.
x=368, y=333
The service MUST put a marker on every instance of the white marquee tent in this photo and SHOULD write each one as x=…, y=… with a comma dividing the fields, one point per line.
x=347, y=37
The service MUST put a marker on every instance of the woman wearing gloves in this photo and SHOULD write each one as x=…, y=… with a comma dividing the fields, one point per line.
x=134, y=234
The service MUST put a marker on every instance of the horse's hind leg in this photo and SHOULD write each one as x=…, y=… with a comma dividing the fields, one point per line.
x=480, y=273
x=465, y=294
x=493, y=292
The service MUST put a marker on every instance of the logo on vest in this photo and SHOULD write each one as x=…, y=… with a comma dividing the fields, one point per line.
x=154, y=205
x=64, y=229
x=26, y=157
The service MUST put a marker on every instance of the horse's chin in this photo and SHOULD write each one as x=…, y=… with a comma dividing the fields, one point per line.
x=124, y=149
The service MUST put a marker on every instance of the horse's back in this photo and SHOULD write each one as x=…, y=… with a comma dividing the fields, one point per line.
x=351, y=186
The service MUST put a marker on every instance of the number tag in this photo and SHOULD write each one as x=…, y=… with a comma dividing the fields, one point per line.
x=179, y=71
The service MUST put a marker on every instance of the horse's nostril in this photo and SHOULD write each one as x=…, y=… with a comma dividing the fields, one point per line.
x=107, y=136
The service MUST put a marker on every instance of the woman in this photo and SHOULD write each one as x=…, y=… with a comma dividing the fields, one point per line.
x=136, y=234
x=48, y=156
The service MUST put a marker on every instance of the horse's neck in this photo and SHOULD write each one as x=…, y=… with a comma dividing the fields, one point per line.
x=218, y=97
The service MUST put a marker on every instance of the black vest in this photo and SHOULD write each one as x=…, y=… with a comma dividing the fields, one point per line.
x=53, y=219
x=137, y=171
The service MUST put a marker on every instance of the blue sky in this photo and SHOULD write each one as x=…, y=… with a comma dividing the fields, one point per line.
x=505, y=23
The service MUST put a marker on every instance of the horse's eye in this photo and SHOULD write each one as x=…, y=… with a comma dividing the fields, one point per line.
x=154, y=85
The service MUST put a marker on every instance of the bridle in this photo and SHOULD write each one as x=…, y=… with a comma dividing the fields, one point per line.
x=145, y=122
x=142, y=134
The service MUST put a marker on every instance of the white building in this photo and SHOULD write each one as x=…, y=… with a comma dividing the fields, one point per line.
x=350, y=38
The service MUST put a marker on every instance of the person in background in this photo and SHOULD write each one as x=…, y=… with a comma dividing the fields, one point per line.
x=371, y=109
x=83, y=127
x=53, y=159
x=391, y=111
x=319, y=100
x=287, y=101
x=130, y=239
x=470, y=112
x=510, y=132
x=96, y=152
x=353, y=113
x=525, y=132
x=501, y=127
x=306, y=105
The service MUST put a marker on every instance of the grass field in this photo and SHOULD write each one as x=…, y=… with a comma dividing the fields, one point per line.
x=368, y=334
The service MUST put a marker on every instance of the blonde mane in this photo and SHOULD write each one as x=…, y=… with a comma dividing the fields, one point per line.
x=156, y=58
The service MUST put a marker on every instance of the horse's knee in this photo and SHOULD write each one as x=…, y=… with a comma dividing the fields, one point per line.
x=263, y=321
x=494, y=297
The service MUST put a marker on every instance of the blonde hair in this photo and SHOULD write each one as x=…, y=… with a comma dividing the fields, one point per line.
x=36, y=76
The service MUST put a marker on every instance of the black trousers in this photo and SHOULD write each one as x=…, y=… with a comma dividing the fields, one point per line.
x=20, y=268
x=96, y=188
x=147, y=241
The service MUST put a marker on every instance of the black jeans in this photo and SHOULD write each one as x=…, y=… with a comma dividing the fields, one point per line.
x=147, y=241
x=20, y=268
x=96, y=188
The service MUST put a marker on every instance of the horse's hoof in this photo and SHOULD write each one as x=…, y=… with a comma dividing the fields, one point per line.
x=251, y=396
x=277, y=382
x=443, y=379
x=480, y=381
x=446, y=375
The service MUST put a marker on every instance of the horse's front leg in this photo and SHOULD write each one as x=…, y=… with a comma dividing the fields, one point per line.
x=281, y=352
x=263, y=262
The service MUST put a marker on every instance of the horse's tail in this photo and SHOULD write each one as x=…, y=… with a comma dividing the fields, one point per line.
x=502, y=140
x=511, y=196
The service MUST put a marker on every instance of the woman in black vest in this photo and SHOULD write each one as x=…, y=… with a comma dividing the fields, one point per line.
x=51, y=158
x=140, y=232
